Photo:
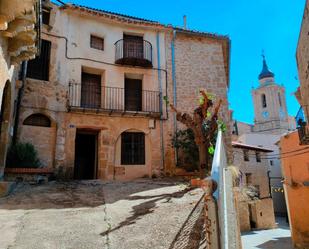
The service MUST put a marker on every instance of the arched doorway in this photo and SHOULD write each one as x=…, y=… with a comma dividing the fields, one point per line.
x=5, y=114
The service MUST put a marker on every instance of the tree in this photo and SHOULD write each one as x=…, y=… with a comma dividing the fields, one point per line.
x=204, y=123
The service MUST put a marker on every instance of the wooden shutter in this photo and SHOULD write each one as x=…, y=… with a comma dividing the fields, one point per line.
x=133, y=95
x=133, y=46
x=91, y=90
x=39, y=67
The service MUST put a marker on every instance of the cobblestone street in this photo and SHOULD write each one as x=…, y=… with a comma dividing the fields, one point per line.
x=279, y=238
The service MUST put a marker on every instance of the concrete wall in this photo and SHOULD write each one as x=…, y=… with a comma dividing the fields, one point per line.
x=296, y=175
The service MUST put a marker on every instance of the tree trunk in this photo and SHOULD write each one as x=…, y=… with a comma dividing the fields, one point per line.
x=202, y=159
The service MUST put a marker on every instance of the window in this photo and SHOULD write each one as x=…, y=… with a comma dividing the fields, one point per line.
x=248, y=178
x=271, y=162
x=37, y=120
x=258, y=156
x=279, y=98
x=133, y=94
x=39, y=67
x=96, y=42
x=91, y=90
x=264, y=104
x=132, y=148
x=45, y=16
x=246, y=155
x=133, y=46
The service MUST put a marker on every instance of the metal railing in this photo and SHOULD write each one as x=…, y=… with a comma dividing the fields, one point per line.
x=113, y=99
x=302, y=126
x=133, y=52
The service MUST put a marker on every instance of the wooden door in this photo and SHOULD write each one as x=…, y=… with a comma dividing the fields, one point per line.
x=133, y=95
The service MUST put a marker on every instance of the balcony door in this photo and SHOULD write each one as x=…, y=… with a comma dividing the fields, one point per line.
x=91, y=90
x=133, y=46
x=133, y=95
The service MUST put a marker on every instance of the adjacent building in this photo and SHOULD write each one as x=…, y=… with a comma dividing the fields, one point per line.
x=258, y=212
x=19, y=41
x=271, y=121
x=294, y=148
x=93, y=100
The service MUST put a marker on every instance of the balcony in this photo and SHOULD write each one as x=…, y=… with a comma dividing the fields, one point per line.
x=134, y=52
x=113, y=100
x=302, y=127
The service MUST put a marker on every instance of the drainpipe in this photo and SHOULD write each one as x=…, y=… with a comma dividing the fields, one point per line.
x=19, y=96
x=269, y=184
x=174, y=88
x=160, y=101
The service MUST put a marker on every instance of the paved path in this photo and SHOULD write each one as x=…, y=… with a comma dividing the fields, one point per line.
x=108, y=215
x=279, y=238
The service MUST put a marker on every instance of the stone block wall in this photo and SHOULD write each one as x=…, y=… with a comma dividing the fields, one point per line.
x=199, y=64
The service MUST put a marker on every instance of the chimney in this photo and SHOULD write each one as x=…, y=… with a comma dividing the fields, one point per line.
x=185, y=22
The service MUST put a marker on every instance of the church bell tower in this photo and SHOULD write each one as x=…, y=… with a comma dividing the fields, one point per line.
x=269, y=101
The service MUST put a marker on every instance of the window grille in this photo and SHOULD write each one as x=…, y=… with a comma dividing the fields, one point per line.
x=96, y=42
x=133, y=148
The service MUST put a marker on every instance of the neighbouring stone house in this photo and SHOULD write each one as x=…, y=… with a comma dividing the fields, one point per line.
x=271, y=121
x=255, y=212
x=19, y=40
x=294, y=148
x=92, y=104
x=302, y=94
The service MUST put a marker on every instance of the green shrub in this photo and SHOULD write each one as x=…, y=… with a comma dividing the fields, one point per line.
x=188, y=157
x=22, y=155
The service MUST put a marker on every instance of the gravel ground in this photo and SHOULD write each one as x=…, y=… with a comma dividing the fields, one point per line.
x=279, y=238
x=142, y=214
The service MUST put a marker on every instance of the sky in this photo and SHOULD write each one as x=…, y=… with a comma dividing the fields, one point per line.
x=252, y=25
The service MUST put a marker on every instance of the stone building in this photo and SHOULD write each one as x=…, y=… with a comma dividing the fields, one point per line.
x=92, y=104
x=19, y=40
x=302, y=94
x=294, y=149
x=271, y=121
x=258, y=212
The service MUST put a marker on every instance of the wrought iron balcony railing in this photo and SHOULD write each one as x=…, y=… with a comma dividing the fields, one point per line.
x=133, y=52
x=302, y=126
x=95, y=98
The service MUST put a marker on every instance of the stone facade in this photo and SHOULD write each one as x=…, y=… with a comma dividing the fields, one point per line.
x=257, y=213
x=19, y=27
x=302, y=56
x=257, y=168
x=201, y=61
